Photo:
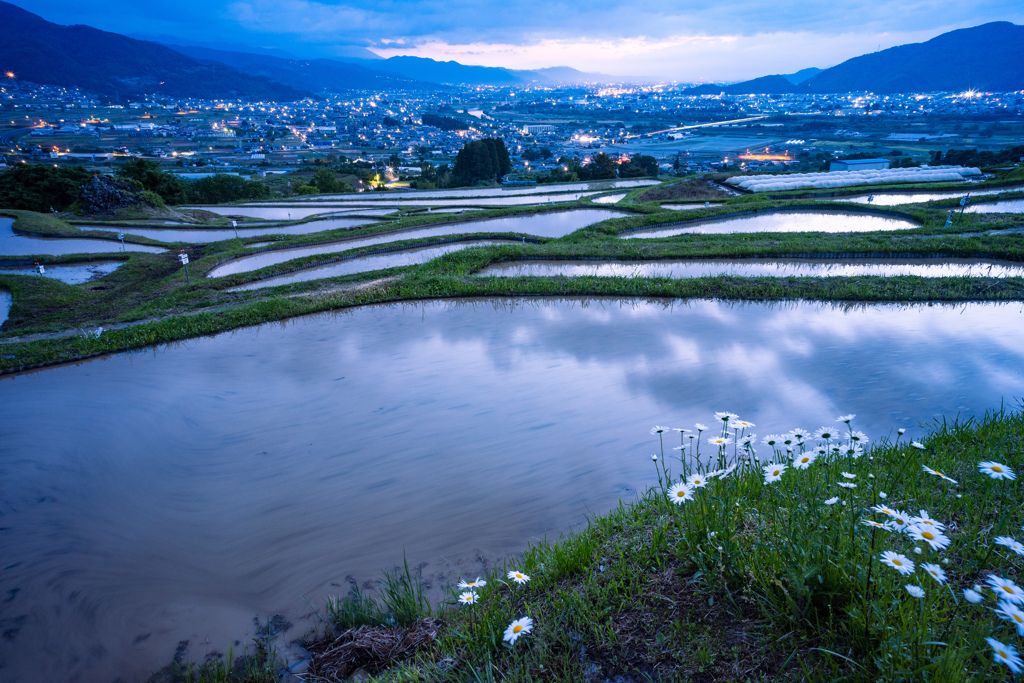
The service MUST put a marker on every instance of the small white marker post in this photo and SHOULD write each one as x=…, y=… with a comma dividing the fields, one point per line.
x=40, y=268
x=949, y=219
x=183, y=257
x=234, y=225
x=120, y=236
x=964, y=201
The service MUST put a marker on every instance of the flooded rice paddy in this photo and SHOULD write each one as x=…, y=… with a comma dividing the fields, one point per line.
x=689, y=207
x=12, y=244
x=5, y=305
x=778, y=221
x=68, y=273
x=1005, y=206
x=205, y=235
x=555, y=224
x=897, y=198
x=176, y=493
x=778, y=267
x=609, y=198
x=365, y=264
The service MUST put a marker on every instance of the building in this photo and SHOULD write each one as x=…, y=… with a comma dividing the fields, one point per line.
x=530, y=129
x=859, y=165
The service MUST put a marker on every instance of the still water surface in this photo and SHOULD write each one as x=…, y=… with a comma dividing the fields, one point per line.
x=5, y=305
x=176, y=493
x=12, y=244
x=1007, y=206
x=366, y=263
x=554, y=224
x=782, y=221
x=71, y=273
x=609, y=198
x=796, y=267
x=896, y=199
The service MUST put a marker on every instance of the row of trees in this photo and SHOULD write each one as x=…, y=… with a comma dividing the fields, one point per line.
x=40, y=188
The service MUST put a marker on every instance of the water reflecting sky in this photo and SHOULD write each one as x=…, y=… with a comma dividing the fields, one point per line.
x=70, y=273
x=176, y=493
x=779, y=221
x=794, y=267
x=12, y=244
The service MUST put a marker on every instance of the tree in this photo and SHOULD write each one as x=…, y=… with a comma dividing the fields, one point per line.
x=171, y=188
x=482, y=160
x=601, y=167
x=639, y=166
x=38, y=188
x=222, y=187
x=326, y=182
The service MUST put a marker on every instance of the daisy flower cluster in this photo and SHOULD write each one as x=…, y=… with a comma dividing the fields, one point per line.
x=829, y=459
x=470, y=596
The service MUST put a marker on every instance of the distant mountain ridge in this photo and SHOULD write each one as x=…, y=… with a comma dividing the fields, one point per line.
x=314, y=75
x=989, y=57
x=417, y=73
x=109, y=63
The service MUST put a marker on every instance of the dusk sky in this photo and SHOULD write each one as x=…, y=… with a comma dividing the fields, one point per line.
x=697, y=40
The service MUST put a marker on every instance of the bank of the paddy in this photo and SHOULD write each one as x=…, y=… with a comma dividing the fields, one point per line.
x=745, y=580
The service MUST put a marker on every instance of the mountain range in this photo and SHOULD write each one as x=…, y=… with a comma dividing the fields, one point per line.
x=989, y=57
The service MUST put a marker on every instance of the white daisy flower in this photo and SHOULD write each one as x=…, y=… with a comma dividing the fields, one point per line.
x=680, y=493
x=720, y=440
x=773, y=473
x=930, y=535
x=658, y=429
x=936, y=572
x=916, y=591
x=743, y=424
x=825, y=433
x=924, y=519
x=697, y=481
x=869, y=522
x=832, y=501
x=885, y=510
x=1005, y=589
x=1006, y=654
x=846, y=418
x=799, y=434
x=517, y=628
x=472, y=584
x=900, y=520
x=725, y=417
x=900, y=563
x=804, y=460
x=972, y=596
x=846, y=485
x=1013, y=614
x=680, y=430
x=518, y=577
x=468, y=597
x=700, y=427
x=996, y=470
x=771, y=440
x=929, y=470
x=901, y=431
x=848, y=475
x=859, y=438
x=654, y=457
x=1015, y=546
x=918, y=445
x=852, y=452
x=882, y=495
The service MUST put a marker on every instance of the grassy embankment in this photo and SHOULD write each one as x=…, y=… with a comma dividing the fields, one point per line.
x=152, y=286
x=747, y=580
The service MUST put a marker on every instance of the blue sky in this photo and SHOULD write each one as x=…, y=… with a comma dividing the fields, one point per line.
x=693, y=40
